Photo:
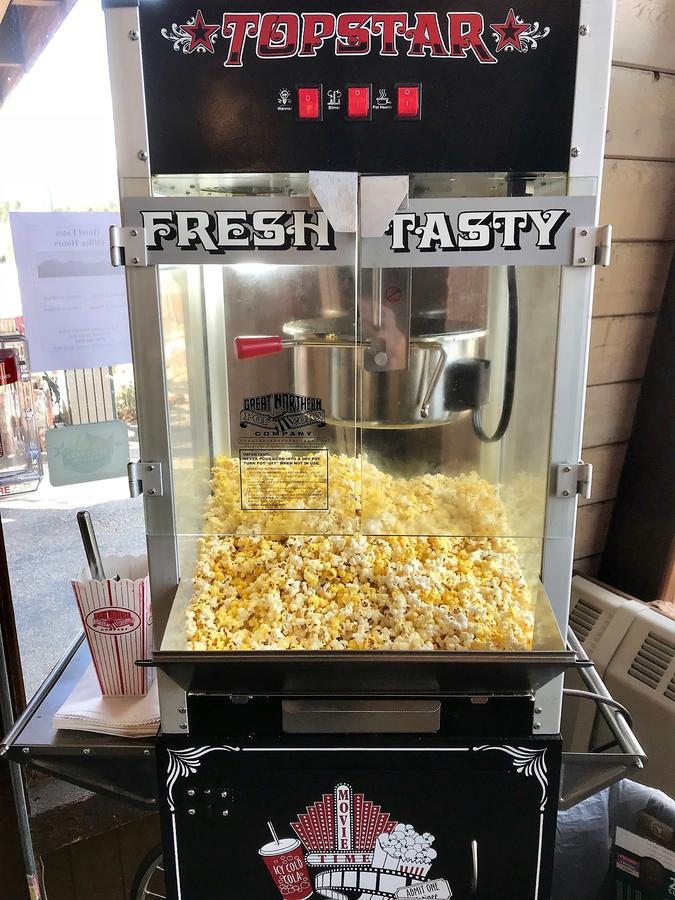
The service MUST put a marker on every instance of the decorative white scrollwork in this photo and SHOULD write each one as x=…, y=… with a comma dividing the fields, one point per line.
x=528, y=762
x=531, y=37
x=515, y=34
x=181, y=40
x=185, y=763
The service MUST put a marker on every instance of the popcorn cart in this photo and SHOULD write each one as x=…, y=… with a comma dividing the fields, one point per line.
x=360, y=244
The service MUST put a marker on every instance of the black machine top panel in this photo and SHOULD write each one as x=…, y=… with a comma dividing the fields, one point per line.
x=370, y=87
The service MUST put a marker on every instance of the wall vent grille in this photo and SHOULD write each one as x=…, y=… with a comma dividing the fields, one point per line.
x=670, y=690
x=583, y=619
x=652, y=660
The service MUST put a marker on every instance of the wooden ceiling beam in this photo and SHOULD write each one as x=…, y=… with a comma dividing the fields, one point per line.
x=26, y=27
x=4, y=6
x=11, y=43
x=34, y=2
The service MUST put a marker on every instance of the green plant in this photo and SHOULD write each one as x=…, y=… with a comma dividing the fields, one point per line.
x=125, y=402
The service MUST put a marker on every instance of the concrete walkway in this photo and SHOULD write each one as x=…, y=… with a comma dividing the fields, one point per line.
x=45, y=551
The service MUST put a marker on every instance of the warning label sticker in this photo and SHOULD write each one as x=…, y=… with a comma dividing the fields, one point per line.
x=284, y=479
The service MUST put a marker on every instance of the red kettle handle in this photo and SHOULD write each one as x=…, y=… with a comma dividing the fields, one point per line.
x=258, y=345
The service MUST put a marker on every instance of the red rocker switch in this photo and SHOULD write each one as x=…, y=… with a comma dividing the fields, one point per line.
x=309, y=103
x=358, y=102
x=408, y=101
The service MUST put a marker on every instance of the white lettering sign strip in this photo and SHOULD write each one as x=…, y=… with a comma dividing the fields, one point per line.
x=232, y=230
x=427, y=890
x=473, y=231
x=481, y=231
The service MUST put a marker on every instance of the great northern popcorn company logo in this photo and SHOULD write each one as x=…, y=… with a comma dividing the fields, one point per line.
x=113, y=620
x=282, y=414
x=347, y=847
x=281, y=35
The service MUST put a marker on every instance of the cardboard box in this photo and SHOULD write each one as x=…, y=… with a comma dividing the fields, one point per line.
x=644, y=870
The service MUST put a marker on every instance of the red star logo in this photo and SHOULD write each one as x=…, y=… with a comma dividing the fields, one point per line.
x=201, y=35
x=509, y=32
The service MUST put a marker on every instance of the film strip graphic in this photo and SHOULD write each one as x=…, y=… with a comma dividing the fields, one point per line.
x=369, y=884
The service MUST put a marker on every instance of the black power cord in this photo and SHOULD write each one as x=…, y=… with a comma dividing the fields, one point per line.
x=518, y=186
x=510, y=373
x=599, y=698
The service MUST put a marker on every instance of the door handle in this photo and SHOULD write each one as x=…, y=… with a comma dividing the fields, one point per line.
x=474, y=867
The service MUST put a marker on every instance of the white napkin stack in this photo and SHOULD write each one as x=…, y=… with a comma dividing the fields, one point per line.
x=86, y=710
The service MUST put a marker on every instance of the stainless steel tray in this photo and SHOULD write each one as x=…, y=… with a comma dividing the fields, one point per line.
x=120, y=767
x=584, y=774
x=355, y=673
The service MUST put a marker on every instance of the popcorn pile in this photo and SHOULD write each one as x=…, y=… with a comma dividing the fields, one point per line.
x=363, y=499
x=354, y=591
x=404, y=849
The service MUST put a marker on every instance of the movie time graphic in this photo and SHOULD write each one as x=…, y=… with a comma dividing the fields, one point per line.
x=282, y=35
x=346, y=846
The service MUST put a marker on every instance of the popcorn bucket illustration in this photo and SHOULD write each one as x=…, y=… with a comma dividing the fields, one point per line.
x=117, y=621
x=404, y=850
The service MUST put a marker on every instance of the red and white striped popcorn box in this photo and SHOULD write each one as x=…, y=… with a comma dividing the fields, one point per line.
x=117, y=620
x=414, y=869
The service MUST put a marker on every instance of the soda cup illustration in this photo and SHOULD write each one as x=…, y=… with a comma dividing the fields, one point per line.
x=285, y=862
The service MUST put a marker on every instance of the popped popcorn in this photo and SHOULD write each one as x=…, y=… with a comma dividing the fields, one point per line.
x=406, y=845
x=347, y=584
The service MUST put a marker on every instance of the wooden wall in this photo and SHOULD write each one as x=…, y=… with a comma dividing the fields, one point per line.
x=638, y=200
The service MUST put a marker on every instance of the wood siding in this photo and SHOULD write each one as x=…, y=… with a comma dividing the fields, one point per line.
x=638, y=200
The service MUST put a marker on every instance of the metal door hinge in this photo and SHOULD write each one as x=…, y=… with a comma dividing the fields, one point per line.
x=127, y=246
x=592, y=245
x=573, y=479
x=145, y=478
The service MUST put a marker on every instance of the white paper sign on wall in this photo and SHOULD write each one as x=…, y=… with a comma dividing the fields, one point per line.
x=74, y=301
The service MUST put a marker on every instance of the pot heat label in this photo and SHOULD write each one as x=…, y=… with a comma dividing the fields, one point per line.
x=345, y=845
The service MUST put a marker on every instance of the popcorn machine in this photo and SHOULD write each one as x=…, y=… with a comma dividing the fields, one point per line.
x=359, y=245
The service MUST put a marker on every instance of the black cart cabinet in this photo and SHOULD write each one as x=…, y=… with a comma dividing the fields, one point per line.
x=486, y=810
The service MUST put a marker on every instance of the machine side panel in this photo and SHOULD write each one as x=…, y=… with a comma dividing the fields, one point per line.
x=494, y=86
x=467, y=813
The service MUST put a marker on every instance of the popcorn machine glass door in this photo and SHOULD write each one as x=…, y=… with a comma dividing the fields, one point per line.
x=360, y=424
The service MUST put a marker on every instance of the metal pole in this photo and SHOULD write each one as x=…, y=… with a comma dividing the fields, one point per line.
x=18, y=788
